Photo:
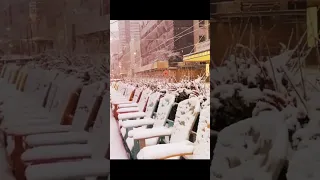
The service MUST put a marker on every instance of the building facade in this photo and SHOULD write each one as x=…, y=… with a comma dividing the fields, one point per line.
x=75, y=26
x=199, y=59
x=274, y=18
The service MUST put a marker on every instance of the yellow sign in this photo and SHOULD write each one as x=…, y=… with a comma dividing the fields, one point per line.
x=199, y=57
x=207, y=70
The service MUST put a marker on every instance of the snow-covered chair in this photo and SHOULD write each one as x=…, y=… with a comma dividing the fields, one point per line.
x=49, y=134
x=200, y=149
x=34, y=91
x=136, y=112
x=150, y=108
x=44, y=159
x=140, y=109
x=187, y=112
x=135, y=100
x=127, y=96
x=64, y=97
x=250, y=149
x=163, y=111
x=54, y=134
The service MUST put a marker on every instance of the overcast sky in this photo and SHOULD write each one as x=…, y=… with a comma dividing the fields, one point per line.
x=113, y=27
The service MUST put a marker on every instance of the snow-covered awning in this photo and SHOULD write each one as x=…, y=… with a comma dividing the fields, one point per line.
x=203, y=56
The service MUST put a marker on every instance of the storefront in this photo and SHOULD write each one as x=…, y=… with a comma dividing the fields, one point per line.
x=200, y=57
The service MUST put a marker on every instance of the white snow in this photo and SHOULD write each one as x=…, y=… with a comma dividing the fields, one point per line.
x=38, y=129
x=128, y=105
x=136, y=123
x=128, y=109
x=117, y=150
x=65, y=170
x=57, y=138
x=57, y=151
x=149, y=133
x=131, y=115
x=163, y=151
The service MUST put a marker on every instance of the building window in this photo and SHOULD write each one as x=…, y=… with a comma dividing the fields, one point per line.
x=202, y=38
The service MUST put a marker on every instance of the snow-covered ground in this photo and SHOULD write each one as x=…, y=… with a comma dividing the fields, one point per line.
x=117, y=150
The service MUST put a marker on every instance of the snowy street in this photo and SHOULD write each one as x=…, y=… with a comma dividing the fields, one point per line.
x=117, y=150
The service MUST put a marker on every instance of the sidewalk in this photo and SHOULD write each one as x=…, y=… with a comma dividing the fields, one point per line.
x=117, y=150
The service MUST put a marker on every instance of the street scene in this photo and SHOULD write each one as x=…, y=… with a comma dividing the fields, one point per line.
x=160, y=89
x=54, y=76
x=265, y=78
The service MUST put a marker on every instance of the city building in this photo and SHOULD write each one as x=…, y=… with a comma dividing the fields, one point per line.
x=200, y=58
x=163, y=44
x=124, y=33
x=75, y=26
x=128, y=29
x=275, y=19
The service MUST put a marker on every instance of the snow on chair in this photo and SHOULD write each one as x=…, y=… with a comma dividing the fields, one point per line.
x=136, y=112
x=87, y=109
x=135, y=100
x=163, y=111
x=150, y=108
x=48, y=158
x=200, y=149
x=141, y=107
x=252, y=148
x=41, y=135
x=187, y=112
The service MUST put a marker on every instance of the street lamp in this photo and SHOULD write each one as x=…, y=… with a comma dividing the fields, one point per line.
x=134, y=53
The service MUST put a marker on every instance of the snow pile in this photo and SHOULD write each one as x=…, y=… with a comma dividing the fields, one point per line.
x=272, y=93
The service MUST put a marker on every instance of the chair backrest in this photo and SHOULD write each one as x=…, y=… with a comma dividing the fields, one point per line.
x=8, y=71
x=144, y=98
x=164, y=108
x=137, y=94
x=202, y=143
x=15, y=73
x=186, y=115
x=3, y=70
x=22, y=73
x=64, y=96
x=12, y=72
x=100, y=136
x=54, y=88
x=152, y=103
x=130, y=92
x=86, y=104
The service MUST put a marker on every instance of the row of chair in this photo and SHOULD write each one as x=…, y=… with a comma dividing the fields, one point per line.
x=143, y=116
x=54, y=124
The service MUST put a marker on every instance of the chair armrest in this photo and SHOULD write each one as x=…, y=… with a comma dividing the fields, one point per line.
x=73, y=170
x=57, y=138
x=121, y=102
x=131, y=115
x=128, y=105
x=128, y=109
x=165, y=151
x=151, y=133
x=37, y=129
x=137, y=123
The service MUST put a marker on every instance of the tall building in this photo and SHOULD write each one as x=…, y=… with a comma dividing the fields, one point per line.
x=124, y=33
x=75, y=26
x=160, y=37
x=128, y=30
